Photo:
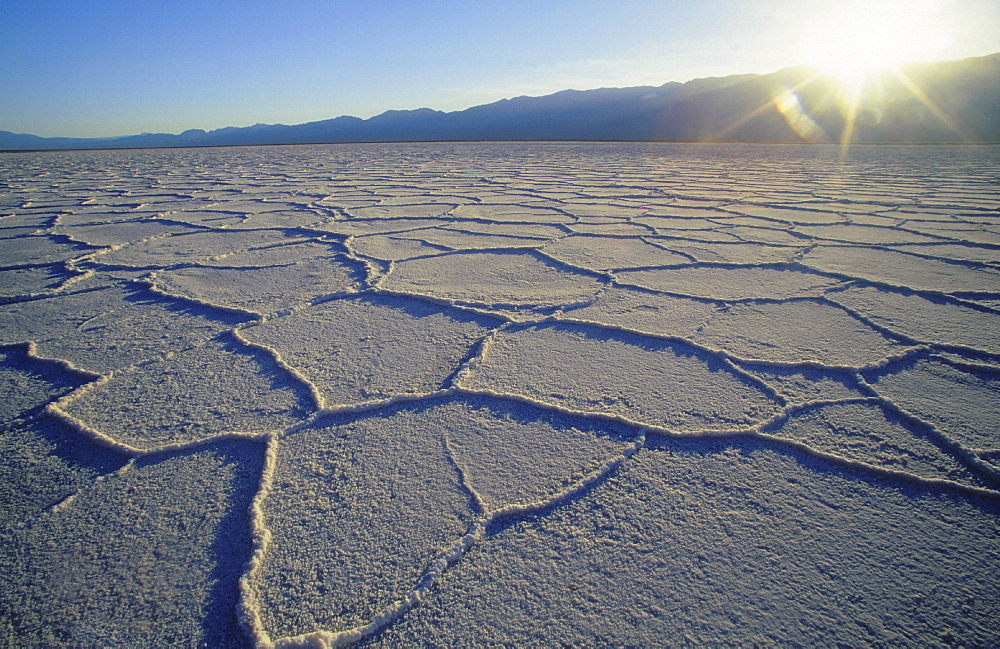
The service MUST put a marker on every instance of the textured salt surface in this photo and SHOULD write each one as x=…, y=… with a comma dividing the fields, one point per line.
x=514, y=394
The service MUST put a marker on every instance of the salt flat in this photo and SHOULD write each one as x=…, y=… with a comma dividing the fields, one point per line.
x=519, y=394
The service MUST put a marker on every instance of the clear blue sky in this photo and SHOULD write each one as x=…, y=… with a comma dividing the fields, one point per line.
x=113, y=67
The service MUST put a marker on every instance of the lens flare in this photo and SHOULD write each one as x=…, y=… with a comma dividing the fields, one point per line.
x=790, y=106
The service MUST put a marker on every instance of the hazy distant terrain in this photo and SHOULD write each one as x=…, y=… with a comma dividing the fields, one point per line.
x=500, y=393
x=955, y=101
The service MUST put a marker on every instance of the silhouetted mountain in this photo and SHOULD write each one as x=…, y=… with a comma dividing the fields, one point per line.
x=954, y=101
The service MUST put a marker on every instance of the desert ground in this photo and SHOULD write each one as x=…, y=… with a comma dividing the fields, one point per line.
x=516, y=394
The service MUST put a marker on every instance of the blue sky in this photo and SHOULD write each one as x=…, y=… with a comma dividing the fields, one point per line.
x=113, y=67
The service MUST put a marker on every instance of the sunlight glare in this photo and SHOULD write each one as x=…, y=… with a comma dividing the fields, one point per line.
x=858, y=40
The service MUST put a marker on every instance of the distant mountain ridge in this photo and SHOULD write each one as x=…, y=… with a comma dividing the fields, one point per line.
x=957, y=101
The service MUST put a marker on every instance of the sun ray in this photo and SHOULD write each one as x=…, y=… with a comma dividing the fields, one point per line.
x=853, y=92
x=918, y=92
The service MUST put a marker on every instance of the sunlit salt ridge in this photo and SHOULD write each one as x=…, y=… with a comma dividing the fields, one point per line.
x=500, y=393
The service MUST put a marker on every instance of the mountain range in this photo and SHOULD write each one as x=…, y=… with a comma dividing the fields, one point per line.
x=952, y=101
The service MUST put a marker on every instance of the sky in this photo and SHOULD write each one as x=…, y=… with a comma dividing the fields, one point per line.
x=95, y=68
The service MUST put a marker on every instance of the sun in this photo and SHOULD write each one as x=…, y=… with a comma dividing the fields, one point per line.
x=862, y=46
x=854, y=41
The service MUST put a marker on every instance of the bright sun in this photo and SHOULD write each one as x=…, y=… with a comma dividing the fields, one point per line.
x=852, y=40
